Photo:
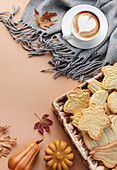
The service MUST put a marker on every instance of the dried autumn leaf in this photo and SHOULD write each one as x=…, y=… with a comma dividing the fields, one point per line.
x=45, y=19
x=3, y=130
x=45, y=116
x=43, y=124
x=5, y=142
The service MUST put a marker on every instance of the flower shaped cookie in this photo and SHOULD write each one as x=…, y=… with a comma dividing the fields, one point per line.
x=110, y=77
x=58, y=155
x=93, y=121
x=78, y=99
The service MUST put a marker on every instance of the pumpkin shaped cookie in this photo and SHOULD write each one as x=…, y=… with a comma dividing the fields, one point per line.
x=109, y=135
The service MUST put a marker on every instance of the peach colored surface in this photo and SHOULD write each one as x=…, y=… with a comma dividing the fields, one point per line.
x=25, y=90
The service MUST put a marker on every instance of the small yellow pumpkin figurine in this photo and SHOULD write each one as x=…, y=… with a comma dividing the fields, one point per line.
x=58, y=155
x=23, y=159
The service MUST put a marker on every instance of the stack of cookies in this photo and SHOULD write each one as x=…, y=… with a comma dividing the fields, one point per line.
x=94, y=114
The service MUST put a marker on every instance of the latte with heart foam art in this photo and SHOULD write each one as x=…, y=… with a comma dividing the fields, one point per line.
x=85, y=25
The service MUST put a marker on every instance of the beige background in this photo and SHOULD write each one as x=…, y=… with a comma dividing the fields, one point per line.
x=25, y=90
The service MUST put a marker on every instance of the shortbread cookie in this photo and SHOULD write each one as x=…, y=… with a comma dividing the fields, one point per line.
x=93, y=121
x=94, y=85
x=99, y=98
x=107, y=109
x=75, y=119
x=112, y=102
x=78, y=99
x=107, y=154
x=109, y=135
x=114, y=120
x=110, y=77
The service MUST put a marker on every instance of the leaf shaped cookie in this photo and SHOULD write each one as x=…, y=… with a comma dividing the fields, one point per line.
x=93, y=121
x=107, y=154
x=110, y=77
x=78, y=99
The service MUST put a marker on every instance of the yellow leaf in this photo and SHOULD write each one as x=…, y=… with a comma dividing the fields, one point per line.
x=45, y=20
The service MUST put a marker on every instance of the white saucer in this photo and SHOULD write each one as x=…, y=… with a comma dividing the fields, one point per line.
x=66, y=26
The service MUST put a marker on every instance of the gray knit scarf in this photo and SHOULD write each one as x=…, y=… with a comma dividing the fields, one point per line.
x=67, y=60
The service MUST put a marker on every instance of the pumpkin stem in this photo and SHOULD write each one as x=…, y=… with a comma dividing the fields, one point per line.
x=39, y=141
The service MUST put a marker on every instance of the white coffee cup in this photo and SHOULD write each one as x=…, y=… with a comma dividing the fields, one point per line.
x=87, y=23
x=77, y=41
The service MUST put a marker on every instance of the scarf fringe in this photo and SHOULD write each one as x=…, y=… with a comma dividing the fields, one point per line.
x=64, y=60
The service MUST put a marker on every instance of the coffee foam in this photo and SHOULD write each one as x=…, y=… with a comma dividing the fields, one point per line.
x=86, y=24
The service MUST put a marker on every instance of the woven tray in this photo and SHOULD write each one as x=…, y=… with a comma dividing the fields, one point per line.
x=74, y=134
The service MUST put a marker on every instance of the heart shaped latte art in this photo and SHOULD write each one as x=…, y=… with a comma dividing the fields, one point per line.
x=86, y=24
